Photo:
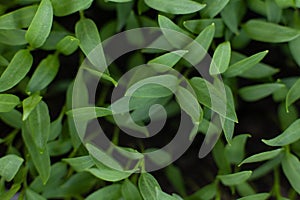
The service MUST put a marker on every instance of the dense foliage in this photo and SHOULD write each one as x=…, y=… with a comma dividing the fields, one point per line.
x=255, y=48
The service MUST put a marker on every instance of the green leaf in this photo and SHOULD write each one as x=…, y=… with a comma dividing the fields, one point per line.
x=17, y=19
x=29, y=105
x=291, y=169
x=264, y=31
x=205, y=193
x=12, y=37
x=80, y=163
x=235, y=151
x=176, y=7
x=176, y=178
x=44, y=74
x=130, y=191
x=262, y=156
x=213, y=7
x=259, y=196
x=41, y=24
x=67, y=45
x=9, y=166
x=16, y=70
x=88, y=113
x=228, y=125
x=236, y=178
x=293, y=94
x=287, y=118
x=221, y=58
x=257, y=92
x=111, y=192
x=8, y=102
x=274, y=12
x=147, y=184
x=38, y=123
x=67, y=7
x=90, y=43
x=164, y=196
x=31, y=195
x=233, y=13
x=166, y=23
x=294, y=46
x=198, y=25
x=12, y=118
x=247, y=63
x=266, y=168
x=169, y=59
x=289, y=136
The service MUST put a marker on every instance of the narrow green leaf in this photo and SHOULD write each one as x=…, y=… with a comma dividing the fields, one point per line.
x=17, y=69
x=8, y=102
x=289, y=136
x=169, y=59
x=44, y=74
x=259, y=196
x=294, y=46
x=240, y=67
x=12, y=118
x=206, y=193
x=198, y=25
x=32, y=195
x=12, y=37
x=236, y=178
x=291, y=169
x=262, y=156
x=130, y=191
x=257, y=92
x=29, y=105
x=147, y=184
x=67, y=7
x=9, y=166
x=17, y=19
x=88, y=113
x=274, y=12
x=112, y=192
x=164, y=196
x=266, y=168
x=166, y=23
x=213, y=7
x=287, y=118
x=80, y=163
x=177, y=7
x=264, y=31
x=90, y=43
x=41, y=24
x=293, y=94
x=67, y=45
x=221, y=59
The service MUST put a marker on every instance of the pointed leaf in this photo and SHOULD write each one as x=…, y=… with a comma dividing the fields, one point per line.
x=130, y=191
x=67, y=7
x=262, y=156
x=293, y=94
x=9, y=166
x=291, y=169
x=112, y=192
x=236, y=178
x=29, y=105
x=259, y=196
x=80, y=163
x=221, y=59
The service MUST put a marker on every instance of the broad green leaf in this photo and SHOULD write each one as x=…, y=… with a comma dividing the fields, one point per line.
x=287, y=118
x=293, y=94
x=213, y=7
x=258, y=71
x=8, y=102
x=20, y=18
x=44, y=74
x=53, y=39
x=233, y=13
x=67, y=7
x=32, y=195
x=169, y=59
x=235, y=151
x=12, y=37
x=41, y=24
x=147, y=184
x=175, y=177
x=198, y=25
x=290, y=135
x=294, y=46
x=88, y=113
x=130, y=191
x=41, y=160
x=166, y=23
x=245, y=189
x=258, y=6
x=29, y=105
x=205, y=193
x=17, y=69
x=262, y=156
x=259, y=196
x=235, y=179
x=240, y=67
x=112, y=192
x=221, y=58
x=164, y=196
x=12, y=118
x=9, y=166
x=273, y=11
x=213, y=97
x=90, y=43
x=177, y=7
x=257, y=92
x=67, y=45
x=291, y=169
x=80, y=163
x=264, y=31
